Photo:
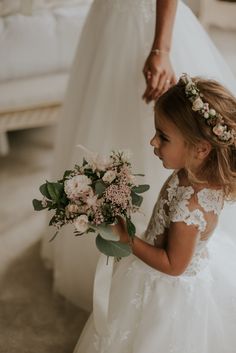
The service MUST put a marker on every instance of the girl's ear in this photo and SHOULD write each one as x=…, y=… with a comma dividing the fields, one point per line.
x=203, y=149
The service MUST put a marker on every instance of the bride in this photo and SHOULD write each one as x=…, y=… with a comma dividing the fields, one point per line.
x=103, y=109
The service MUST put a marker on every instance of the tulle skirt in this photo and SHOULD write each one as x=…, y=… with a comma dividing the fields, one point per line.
x=154, y=313
x=103, y=110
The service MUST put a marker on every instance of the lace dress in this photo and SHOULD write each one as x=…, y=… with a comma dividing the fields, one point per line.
x=151, y=312
x=104, y=111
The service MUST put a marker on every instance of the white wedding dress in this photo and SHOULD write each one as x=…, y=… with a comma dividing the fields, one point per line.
x=153, y=312
x=103, y=110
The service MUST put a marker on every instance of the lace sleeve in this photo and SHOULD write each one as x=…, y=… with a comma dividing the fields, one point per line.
x=196, y=208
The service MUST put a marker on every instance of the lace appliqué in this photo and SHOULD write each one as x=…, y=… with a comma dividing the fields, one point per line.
x=173, y=206
x=179, y=212
x=211, y=200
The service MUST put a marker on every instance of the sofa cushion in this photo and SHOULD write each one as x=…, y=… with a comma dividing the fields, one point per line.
x=27, y=7
x=31, y=93
x=39, y=44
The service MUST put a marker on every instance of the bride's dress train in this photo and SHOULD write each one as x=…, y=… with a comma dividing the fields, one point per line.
x=103, y=110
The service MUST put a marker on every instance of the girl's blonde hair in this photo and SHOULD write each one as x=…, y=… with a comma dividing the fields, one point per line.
x=219, y=167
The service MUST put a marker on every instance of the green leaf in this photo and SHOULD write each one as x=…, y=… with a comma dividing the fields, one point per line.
x=100, y=187
x=141, y=188
x=52, y=220
x=130, y=227
x=84, y=162
x=55, y=190
x=44, y=191
x=91, y=230
x=112, y=248
x=136, y=199
x=67, y=173
x=106, y=232
x=37, y=204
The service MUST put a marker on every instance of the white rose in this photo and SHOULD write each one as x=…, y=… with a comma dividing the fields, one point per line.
x=99, y=162
x=81, y=223
x=109, y=176
x=206, y=115
x=197, y=104
x=76, y=185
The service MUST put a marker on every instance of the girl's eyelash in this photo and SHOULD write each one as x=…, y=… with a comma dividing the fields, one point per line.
x=163, y=137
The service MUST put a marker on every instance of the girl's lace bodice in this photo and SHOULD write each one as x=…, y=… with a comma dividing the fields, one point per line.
x=178, y=203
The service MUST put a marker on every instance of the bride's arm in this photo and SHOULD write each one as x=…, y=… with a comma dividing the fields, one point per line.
x=158, y=70
x=165, y=16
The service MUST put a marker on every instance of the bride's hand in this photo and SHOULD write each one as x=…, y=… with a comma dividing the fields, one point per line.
x=121, y=230
x=159, y=75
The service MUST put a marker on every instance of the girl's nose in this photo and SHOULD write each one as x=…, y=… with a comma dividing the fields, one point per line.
x=155, y=142
x=152, y=141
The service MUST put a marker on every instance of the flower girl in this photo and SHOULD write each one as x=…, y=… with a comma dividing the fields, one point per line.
x=177, y=291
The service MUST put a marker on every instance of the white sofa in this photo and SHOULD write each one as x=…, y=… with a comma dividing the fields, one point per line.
x=38, y=39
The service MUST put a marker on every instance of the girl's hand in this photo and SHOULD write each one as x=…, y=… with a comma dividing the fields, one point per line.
x=121, y=230
x=159, y=75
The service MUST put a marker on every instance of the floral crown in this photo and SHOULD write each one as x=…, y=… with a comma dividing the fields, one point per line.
x=214, y=119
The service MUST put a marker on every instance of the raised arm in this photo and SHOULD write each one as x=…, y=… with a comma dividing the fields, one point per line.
x=158, y=70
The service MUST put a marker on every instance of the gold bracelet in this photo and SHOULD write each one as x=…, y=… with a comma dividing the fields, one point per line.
x=159, y=51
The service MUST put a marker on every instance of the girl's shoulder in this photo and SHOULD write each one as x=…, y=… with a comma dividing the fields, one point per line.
x=202, y=196
x=199, y=205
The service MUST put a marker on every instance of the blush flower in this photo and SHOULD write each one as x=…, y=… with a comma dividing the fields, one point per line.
x=77, y=185
x=81, y=223
x=109, y=176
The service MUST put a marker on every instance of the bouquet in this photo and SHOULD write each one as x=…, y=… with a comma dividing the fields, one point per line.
x=92, y=196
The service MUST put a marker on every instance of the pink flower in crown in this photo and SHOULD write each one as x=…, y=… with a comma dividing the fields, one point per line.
x=197, y=104
x=205, y=108
x=219, y=129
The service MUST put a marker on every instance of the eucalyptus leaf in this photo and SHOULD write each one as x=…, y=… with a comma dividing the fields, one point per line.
x=55, y=190
x=141, y=188
x=106, y=233
x=100, y=187
x=37, y=204
x=112, y=248
x=44, y=191
x=130, y=227
x=136, y=199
